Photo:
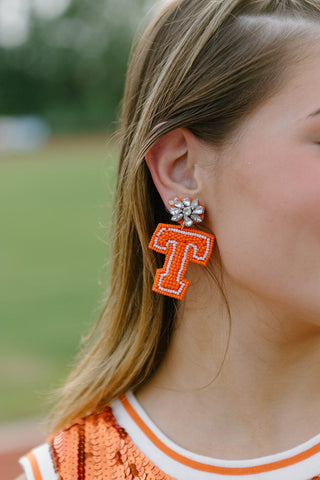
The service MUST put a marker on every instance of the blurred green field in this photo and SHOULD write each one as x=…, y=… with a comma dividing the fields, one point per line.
x=55, y=210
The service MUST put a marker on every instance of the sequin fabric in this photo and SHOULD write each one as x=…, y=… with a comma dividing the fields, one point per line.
x=97, y=448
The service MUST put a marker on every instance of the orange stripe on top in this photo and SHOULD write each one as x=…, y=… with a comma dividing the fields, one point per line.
x=34, y=465
x=212, y=468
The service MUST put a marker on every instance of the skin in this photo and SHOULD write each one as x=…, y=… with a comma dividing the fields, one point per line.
x=262, y=196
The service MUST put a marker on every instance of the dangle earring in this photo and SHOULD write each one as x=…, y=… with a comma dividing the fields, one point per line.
x=181, y=245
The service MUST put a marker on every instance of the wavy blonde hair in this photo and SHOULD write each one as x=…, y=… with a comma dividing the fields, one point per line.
x=203, y=65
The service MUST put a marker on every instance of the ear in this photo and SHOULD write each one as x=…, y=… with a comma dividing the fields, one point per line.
x=172, y=162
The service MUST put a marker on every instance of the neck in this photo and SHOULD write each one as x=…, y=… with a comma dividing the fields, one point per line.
x=253, y=378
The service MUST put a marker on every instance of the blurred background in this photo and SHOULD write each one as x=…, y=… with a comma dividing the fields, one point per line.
x=62, y=70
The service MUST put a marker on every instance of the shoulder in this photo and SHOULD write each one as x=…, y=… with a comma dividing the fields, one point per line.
x=98, y=447
x=21, y=477
x=37, y=464
x=92, y=447
x=67, y=451
x=86, y=444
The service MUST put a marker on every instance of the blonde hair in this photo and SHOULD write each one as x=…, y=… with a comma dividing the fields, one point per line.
x=203, y=65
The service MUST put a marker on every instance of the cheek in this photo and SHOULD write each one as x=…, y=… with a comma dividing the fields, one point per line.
x=267, y=221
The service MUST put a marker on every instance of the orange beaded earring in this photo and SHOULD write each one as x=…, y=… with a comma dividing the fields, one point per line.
x=180, y=245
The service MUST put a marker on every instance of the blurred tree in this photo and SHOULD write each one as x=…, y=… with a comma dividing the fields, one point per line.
x=71, y=69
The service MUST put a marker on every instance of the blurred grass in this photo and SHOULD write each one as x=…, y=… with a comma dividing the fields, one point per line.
x=55, y=207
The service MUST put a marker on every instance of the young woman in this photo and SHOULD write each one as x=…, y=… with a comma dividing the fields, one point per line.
x=222, y=104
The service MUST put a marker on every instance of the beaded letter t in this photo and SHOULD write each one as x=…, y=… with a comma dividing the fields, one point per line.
x=180, y=245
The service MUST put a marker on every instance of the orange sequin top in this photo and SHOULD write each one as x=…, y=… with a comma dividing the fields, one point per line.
x=97, y=448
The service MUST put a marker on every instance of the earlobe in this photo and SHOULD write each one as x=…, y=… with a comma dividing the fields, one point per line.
x=171, y=161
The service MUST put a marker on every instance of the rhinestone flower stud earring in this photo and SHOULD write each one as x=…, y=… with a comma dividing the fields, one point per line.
x=186, y=211
x=181, y=245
